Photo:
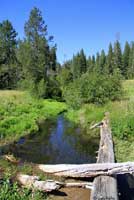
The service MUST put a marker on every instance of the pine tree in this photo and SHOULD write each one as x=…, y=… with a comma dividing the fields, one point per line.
x=130, y=71
x=76, y=66
x=41, y=58
x=102, y=61
x=89, y=64
x=97, y=62
x=79, y=64
x=8, y=43
x=110, y=60
x=36, y=32
x=53, y=58
x=126, y=55
x=93, y=61
x=83, y=62
x=118, y=57
x=8, y=60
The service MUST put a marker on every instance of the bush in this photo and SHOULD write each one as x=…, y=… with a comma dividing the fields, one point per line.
x=93, y=88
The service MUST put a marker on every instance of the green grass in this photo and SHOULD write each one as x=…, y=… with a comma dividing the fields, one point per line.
x=20, y=113
x=12, y=191
x=129, y=89
x=122, y=121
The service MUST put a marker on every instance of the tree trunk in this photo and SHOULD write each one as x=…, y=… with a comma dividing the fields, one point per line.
x=88, y=170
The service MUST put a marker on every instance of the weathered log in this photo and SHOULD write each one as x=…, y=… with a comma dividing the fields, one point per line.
x=88, y=170
x=105, y=187
x=33, y=182
x=86, y=185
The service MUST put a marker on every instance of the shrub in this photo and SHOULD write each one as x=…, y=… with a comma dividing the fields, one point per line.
x=93, y=88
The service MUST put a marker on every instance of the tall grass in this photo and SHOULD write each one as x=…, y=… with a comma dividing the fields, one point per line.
x=19, y=113
x=122, y=120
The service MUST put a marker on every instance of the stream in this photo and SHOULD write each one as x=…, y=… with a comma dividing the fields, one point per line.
x=60, y=141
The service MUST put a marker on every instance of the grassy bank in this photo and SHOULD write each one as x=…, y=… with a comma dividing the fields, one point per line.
x=19, y=113
x=122, y=121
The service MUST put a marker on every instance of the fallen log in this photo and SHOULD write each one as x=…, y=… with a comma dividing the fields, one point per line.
x=86, y=185
x=105, y=187
x=88, y=170
x=33, y=182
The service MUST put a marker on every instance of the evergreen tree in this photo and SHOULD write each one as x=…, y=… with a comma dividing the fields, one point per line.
x=110, y=60
x=8, y=43
x=8, y=60
x=36, y=32
x=53, y=58
x=89, y=64
x=76, y=66
x=93, y=61
x=102, y=61
x=130, y=71
x=83, y=62
x=97, y=62
x=40, y=57
x=126, y=55
x=118, y=57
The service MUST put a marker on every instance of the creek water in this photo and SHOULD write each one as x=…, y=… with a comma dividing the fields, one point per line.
x=60, y=141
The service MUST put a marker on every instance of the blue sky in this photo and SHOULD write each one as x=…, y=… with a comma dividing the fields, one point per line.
x=76, y=24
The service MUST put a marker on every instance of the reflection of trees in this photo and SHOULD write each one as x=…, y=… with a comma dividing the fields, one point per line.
x=81, y=141
x=36, y=147
x=56, y=142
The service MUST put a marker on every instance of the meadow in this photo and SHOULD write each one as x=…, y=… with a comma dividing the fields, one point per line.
x=20, y=114
x=121, y=118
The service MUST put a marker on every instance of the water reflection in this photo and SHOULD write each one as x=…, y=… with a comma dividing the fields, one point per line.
x=58, y=141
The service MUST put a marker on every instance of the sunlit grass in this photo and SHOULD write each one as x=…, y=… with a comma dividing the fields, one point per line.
x=121, y=117
x=129, y=88
x=19, y=113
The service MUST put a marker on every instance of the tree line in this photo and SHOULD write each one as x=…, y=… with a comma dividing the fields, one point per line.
x=31, y=63
x=115, y=60
x=98, y=78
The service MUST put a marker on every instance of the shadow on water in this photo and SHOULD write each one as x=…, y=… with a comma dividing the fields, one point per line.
x=58, y=141
x=126, y=187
